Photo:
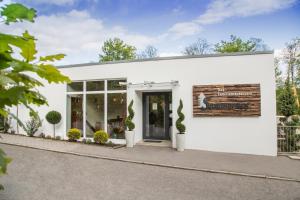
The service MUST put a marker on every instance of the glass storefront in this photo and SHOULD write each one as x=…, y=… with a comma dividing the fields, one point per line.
x=97, y=105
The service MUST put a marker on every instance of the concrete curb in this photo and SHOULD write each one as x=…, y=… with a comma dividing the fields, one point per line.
x=261, y=176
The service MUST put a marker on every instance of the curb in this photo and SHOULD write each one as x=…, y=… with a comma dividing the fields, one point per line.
x=261, y=176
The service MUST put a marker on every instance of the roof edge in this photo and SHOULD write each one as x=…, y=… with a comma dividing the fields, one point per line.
x=167, y=58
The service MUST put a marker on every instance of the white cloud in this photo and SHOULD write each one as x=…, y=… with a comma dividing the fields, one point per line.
x=54, y=2
x=76, y=34
x=184, y=29
x=219, y=10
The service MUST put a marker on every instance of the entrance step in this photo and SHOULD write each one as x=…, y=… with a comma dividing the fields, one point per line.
x=158, y=143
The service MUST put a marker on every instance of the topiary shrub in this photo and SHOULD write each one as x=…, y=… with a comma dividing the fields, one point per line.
x=128, y=122
x=180, y=127
x=100, y=137
x=53, y=117
x=74, y=134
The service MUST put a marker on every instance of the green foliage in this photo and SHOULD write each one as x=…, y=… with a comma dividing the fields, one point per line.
x=4, y=161
x=180, y=127
x=100, y=137
x=32, y=126
x=128, y=122
x=116, y=49
x=17, y=12
x=236, y=44
x=53, y=117
x=287, y=102
x=290, y=136
x=74, y=134
x=18, y=82
x=89, y=141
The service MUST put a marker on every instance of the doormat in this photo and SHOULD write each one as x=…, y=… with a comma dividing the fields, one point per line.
x=157, y=141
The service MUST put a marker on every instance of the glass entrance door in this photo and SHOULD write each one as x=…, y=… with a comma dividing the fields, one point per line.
x=156, y=115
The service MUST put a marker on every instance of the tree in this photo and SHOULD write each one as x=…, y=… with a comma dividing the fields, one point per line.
x=287, y=101
x=201, y=46
x=18, y=74
x=236, y=44
x=278, y=74
x=53, y=117
x=179, y=125
x=149, y=52
x=291, y=57
x=116, y=49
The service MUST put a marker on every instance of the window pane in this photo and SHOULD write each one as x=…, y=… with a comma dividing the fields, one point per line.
x=75, y=87
x=116, y=114
x=75, y=112
x=95, y=85
x=115, y=85
x=94, y=113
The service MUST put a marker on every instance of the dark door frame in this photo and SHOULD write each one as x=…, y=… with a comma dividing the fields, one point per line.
x=167, y=113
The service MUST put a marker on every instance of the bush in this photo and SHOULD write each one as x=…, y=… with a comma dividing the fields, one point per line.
x=128, y=122
x=83, y=140
x=180, y=127
x=48, y=137
x=58, y=137
x=42, y=135
x=53, y=117
x=100, y=137
x=32, y=126
x=287, y=102
x=89, y=141
x=74, y=134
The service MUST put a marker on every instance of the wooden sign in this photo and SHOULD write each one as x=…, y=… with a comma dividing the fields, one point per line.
x=226, y=100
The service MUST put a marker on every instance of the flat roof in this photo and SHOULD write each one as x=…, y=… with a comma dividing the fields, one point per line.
x=167, y=58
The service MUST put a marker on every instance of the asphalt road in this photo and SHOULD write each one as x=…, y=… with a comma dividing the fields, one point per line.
x=42, y=175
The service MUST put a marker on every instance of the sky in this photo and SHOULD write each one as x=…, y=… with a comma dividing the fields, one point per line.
x=79, y=28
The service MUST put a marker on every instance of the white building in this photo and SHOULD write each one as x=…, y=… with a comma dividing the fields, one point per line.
x=233, y=121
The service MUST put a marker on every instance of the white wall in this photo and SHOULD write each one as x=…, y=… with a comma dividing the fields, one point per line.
x=250, y=135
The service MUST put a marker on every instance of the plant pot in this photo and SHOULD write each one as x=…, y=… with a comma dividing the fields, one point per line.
x=180, y=142
x=129, y=136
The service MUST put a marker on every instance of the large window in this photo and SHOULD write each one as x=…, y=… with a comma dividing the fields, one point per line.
x=97, y=105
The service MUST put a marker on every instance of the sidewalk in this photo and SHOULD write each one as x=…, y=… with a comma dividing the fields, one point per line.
x=192, y=159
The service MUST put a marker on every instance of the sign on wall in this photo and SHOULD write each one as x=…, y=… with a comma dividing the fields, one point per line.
x=226, y=100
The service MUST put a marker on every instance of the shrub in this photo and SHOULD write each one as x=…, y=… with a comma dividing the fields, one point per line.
x=53, y=117
x=48, y=137
x=89, y=141
x=74, y=134
x=32, y=126
x=58, y=137
x=180, y=127
x=128, y=122
x=83, y=141
x=100, y=137
x=42, y=135
x=287, y=102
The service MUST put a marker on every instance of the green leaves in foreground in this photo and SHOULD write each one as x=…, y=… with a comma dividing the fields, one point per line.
x=4, y=160
x=17, y=12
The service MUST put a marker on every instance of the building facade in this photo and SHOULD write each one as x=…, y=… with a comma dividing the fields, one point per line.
x=229, y=101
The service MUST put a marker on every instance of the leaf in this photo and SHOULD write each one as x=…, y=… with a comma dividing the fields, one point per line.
x=51, y=74
x=28, y=50
x=17, y=12
x=52, y=57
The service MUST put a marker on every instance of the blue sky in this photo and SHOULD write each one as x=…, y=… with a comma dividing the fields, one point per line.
x=79, y=27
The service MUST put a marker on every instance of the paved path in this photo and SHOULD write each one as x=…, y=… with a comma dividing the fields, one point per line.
x=264, y=165
x=43, y=175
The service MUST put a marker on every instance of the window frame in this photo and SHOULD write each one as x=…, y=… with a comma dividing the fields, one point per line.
x=105, y=92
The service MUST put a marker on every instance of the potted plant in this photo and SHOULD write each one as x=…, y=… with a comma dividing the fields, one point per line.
x=129, y=133
x=180, y=136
